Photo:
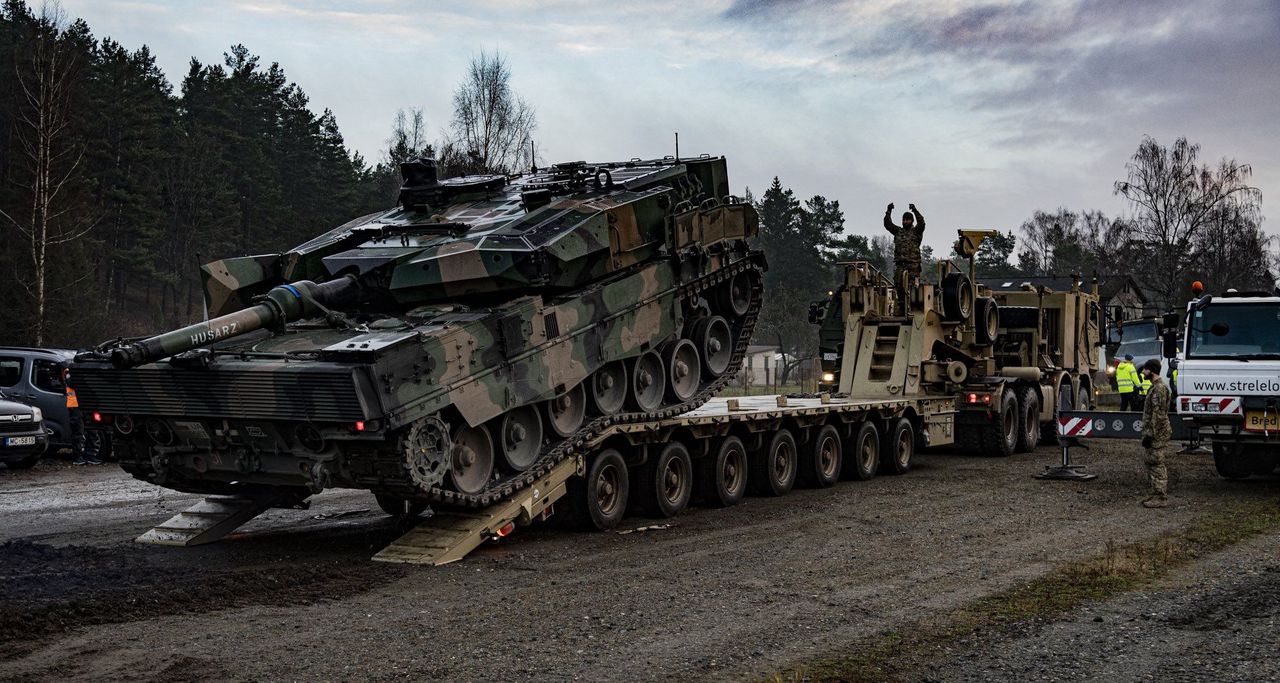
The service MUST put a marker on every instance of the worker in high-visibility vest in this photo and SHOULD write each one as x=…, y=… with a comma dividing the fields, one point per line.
x=1144, y=385
x=1127, y=382
x=75, y=422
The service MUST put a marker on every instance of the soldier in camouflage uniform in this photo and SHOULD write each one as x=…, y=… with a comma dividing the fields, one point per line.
x=1156, y=432
x=906, y=250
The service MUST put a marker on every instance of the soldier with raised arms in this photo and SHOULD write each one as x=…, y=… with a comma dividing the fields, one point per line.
x=906, y=249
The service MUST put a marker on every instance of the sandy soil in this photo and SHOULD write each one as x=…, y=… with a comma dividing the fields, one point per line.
x=720, y=594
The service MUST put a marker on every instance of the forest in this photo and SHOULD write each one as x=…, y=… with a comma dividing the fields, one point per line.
x=117, y=184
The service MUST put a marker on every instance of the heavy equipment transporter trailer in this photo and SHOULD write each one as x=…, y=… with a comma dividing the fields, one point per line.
x=713, y=456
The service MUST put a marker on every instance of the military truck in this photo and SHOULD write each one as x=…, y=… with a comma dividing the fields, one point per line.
x=1011, y=360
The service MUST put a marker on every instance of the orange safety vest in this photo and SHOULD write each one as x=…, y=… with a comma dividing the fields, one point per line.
x=72, y=401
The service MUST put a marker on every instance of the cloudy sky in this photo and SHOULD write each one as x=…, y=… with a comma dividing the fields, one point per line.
x=979, y=112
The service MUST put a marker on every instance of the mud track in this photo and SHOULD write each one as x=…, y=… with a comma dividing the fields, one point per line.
x=718, y=594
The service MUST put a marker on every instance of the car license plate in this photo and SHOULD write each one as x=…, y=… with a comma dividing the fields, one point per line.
x=20, y=441
x=1258, y=421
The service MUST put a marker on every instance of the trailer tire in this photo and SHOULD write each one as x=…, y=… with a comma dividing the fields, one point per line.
x=722, y=477
x=401, y=508
x=863, y=453
x=1230, y=461
x=772, y=470
x=999, y=437
x=665, y=483
x=599, y=499
x=897, y=451
x=820, y=466
x=1028, y=419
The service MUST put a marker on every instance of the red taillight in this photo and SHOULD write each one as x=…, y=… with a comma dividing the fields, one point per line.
x=97, y=416
x=506, y=529
x=973, y=398
x=359, y=425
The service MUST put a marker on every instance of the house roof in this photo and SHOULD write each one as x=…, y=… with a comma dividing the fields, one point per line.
x=761, y=348
x=1108, y=285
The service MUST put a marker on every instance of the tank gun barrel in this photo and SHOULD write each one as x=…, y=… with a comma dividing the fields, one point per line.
x=283, y=303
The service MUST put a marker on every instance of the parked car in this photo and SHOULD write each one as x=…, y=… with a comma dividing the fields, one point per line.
x=34, y=377
x=22, y=434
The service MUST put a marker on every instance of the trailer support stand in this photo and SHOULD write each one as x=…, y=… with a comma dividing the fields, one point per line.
x=1065, y=470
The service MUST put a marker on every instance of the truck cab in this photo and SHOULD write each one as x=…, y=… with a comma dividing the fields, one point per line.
x=1229, y=379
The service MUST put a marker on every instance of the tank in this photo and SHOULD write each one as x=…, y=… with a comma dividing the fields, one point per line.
x=450, y=350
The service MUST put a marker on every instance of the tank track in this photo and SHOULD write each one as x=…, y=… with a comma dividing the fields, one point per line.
x=576, y=444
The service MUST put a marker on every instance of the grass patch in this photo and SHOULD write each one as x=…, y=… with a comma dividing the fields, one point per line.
x=1118, y=569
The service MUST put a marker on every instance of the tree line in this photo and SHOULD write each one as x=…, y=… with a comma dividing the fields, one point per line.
x=115, y=186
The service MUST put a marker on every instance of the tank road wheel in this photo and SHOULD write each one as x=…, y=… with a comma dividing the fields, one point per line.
x=714, y=340
x=400, y=508
x=723, y=476
x=472, y=461
x=648, y=382
x=864, y=453
x=1028, y=419
x=520, y=437
x=684, y=370
x=609, y=388
x=666, y=482
x=899, y=448
x=820, y=464
x=735, y=296
x=773, y=470
x=566, y=411
x=599, y=499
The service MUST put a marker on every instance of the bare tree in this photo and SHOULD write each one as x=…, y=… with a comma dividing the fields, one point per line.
x=50, y=153
x=1232, y=250
x=1173, y=197
x=408, y=137
x=492, y=127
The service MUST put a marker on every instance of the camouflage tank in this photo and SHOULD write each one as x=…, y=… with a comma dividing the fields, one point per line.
x=448, y=351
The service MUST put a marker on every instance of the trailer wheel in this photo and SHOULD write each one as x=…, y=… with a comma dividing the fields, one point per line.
x=402, y=509
x=1230, y=461
x=666, y=482
x=863, y=453
x=773, y=469
x=723, y=476
x=1028, y=419
x=820, y=466
x=897, y=451
x=599, y=500
x=999, y=437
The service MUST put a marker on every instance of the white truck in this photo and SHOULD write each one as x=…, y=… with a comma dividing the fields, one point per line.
x=1228, y=379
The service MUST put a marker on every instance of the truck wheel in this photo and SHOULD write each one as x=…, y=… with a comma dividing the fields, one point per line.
x=957, y=297
x=1084, y=396
x=400, y=508
x=599, y=500
x=666, y=482
x=986, y=321
x=723, y=476
x=1230, y=462
x=863, y=453
x=773, y=470
x=820, y=466
x=897, y=451
x=1049, y=430
x=1028, y=419
x=1000, y=436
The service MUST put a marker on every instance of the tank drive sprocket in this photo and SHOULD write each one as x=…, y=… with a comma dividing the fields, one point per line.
x=426, y=450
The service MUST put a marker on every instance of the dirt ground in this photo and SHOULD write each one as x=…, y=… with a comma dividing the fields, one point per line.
x=719, y=594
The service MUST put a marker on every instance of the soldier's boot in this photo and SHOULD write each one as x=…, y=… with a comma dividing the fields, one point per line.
x=1156, y=502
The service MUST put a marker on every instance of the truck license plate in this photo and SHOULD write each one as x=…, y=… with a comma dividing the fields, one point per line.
x=20, y=441
x=1258, y=421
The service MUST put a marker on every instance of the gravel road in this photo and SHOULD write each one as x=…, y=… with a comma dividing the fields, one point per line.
x=719, y=594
